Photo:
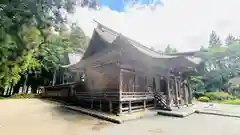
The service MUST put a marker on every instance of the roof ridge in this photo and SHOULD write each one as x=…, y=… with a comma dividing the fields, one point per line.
x=106, y=28
x=117, y=33
x=141, y=45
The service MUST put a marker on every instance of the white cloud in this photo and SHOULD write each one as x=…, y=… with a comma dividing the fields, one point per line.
x=185, y=24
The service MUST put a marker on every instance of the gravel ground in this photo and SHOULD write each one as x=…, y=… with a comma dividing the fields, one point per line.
x=36, y=117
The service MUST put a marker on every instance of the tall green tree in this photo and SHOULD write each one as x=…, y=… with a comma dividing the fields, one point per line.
x=214, y=40
x=27, y=40
x=220, y=63
x=79, y=40
x=231, y=40
x=169, y=50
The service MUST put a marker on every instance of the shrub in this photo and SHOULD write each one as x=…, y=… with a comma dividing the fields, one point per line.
x=22, y=95
x=218, y=96
x=233, y=102
x=198, y=94
x=204, y=99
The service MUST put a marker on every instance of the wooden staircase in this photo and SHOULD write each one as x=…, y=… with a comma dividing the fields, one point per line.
x=161, y=100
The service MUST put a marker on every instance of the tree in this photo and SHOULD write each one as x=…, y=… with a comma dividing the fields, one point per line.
x=230, y=40
x=28, y=44
x=169, y=50
x=78, y=39
x=202, y=48
x=220, y=63
x=214, y=40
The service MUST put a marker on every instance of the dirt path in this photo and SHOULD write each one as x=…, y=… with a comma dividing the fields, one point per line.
x=36, y=117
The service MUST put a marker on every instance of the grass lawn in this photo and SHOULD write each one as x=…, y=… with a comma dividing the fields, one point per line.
x=233, y=102
x=19, y=96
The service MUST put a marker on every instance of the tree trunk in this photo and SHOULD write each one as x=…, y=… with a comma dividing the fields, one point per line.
x=9, y=90
x=34, y=89
x=1, y=92
x=16, y=88
x=5, y=91
x=54, y=78
x=25, y=82
x=27, y=89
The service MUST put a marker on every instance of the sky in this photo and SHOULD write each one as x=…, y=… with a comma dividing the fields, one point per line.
x=119, y=5
x=184, y=24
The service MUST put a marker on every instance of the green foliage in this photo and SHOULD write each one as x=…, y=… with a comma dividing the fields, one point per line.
x=219, y=64
x=169, y=50
x=214, y=40
x=23, y=96
x=204, y=99
x=233, y=102
x=198, y=94
x=77, y=38
x=218, y=96
x=28, y=41
x=230, y=40
x=197, y=83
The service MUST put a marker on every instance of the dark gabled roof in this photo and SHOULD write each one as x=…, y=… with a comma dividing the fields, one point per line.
x=148, y=51
x=192, y=53
x=106, y=34
x=110, y=35
x=104, y=37
x=184, y=53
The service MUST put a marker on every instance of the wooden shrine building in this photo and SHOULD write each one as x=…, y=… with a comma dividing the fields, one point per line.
x=121, y=75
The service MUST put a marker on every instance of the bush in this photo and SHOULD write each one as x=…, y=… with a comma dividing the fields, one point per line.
x=22, y=95
x=233, y=102
x=204, y=99
x=218, y=96
x=198, y=94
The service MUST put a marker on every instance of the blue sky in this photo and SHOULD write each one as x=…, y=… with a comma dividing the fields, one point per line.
x=188, y=22
x=118, y=5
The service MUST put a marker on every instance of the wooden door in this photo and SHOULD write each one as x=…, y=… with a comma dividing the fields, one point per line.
x=158, y=84
x=163, y=85
x=127, y=81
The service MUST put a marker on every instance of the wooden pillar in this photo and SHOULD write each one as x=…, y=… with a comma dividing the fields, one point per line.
x=189, y=91
x=169, y=96
x=120, y=107
x=120, y=85
x=180, y=96
x=73, y=91
x=176, y=91
x=185, y=90
x=130, y=106
x=144, y=104
x=92, y=104
x=110, y=106
x=157, y=80
x=100, y=104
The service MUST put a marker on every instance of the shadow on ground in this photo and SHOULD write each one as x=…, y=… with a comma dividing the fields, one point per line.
x=70, y=115
x=78, y=118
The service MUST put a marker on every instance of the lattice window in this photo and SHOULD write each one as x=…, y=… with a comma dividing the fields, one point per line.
x=128, y=81
x=140, y=83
